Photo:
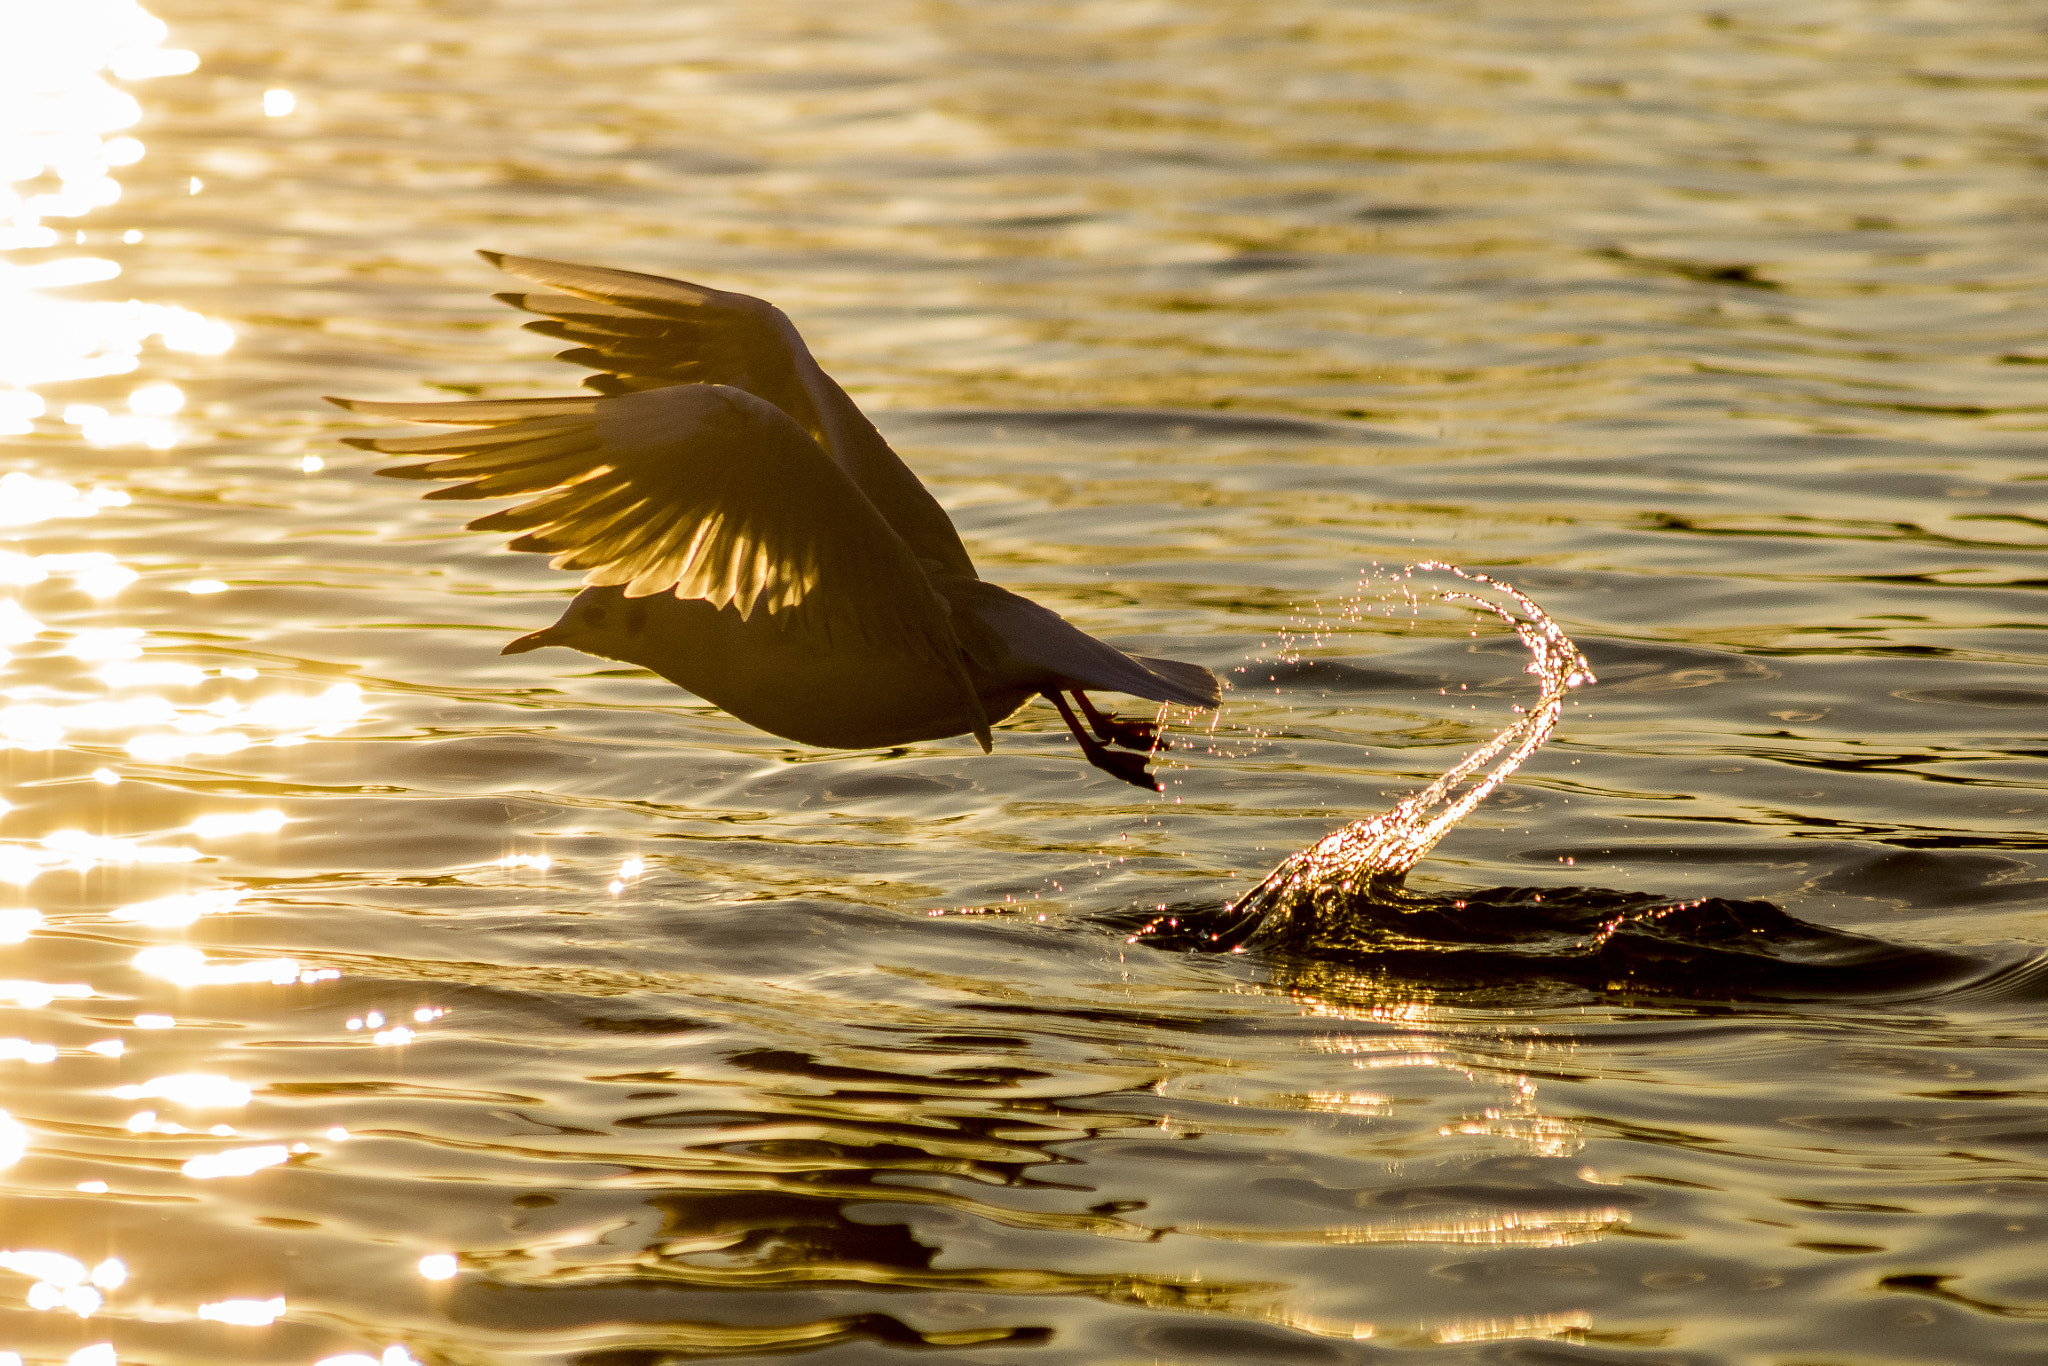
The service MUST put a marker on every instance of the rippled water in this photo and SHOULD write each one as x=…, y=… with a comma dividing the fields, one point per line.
x=384, y=998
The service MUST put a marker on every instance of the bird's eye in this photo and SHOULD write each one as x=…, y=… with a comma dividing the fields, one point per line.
x=594, y=616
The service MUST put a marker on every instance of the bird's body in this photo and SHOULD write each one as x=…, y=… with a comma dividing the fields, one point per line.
x=853, y=697
x=750, y=536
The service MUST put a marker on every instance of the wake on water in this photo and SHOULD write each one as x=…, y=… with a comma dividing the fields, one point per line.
x=1343, y=900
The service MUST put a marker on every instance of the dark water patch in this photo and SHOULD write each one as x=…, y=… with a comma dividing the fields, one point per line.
x=1923, y=877
x=614, y=1024
x=678, y=1342
x=1710, y=948
x=2021, y=982
x=1934, y=1285
x=1399, y=213
x=2008, y=698
x=1748, y=274
x=793, y=1064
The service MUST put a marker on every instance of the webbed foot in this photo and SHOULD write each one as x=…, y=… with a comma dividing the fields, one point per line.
x=1132, y=768
x=1112, y=730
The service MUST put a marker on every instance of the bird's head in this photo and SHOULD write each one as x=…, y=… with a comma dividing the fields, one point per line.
x=600, y=621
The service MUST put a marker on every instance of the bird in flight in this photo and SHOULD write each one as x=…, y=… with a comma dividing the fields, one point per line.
x=746, y=533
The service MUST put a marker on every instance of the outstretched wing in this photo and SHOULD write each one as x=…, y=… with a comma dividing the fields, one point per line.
x=644, y=332
x=702, y=490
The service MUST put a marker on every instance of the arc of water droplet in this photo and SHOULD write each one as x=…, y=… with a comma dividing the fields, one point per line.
x=1385, y=846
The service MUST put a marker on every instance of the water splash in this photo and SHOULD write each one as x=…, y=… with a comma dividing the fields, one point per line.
x=1375, y=854
x=1339, y=914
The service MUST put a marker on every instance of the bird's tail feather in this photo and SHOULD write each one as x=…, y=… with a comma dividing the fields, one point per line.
x=1196, y=685
x=1039, y=637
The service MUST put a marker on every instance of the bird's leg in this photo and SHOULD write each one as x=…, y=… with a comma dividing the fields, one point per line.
x=1130, y=767
x=1130, y=734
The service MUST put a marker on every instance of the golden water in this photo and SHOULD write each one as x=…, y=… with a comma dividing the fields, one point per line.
x=371, y=997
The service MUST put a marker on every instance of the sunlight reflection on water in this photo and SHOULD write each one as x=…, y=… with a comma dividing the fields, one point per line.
x=61, y=139
x=1668, y=346
x=60, y=120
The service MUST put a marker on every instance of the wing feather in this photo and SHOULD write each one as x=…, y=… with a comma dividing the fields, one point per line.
x=576, y=519
x=702, y=490
x=642, y=332
x=571, y=468
x=464, y=442
x=473, y=412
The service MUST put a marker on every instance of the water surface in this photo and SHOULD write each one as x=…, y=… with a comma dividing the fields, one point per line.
x=1717, y=330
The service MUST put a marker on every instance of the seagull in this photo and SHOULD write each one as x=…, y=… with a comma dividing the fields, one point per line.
x=746, y=533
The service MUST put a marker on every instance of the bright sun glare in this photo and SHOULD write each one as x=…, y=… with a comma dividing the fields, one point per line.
x=102, y=689
x=62, y=122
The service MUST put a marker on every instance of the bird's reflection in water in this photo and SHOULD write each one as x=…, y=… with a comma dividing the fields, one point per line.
x=781, y=1225
x=833, y=1183
x=841, y=1198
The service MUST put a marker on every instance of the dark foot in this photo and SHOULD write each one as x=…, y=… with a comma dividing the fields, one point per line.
x=1129, y=767
x=1111, y=731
